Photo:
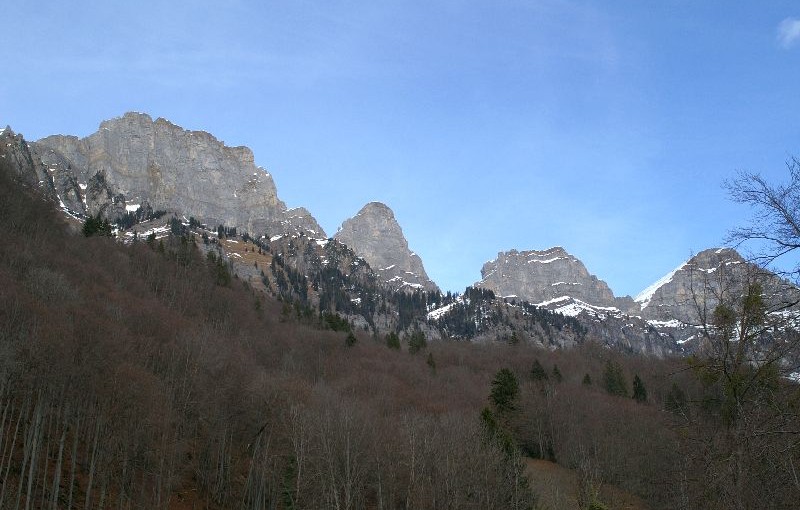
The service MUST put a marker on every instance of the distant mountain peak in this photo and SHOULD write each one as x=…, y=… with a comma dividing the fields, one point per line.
x=375, y=235
x=545, y=277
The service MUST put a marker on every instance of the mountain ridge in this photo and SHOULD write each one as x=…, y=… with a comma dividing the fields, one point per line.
x=133, y=162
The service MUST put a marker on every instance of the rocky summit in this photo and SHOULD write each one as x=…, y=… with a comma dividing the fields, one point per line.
x=692, y=289
x=133, y=161
x=541, y=277
x=375, y=235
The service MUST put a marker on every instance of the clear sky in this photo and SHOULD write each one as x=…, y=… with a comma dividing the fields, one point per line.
x=604, y=127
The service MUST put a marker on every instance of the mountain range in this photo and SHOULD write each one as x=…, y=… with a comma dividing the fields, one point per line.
x=134, y=170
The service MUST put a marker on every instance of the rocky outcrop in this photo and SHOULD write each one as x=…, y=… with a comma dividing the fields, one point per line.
x=375, y=235
x=134, y=161
x=17, y=159
x=544, y=276
x=692, y=289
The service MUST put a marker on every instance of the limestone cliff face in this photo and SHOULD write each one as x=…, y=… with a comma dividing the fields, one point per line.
x=375, y=235
x=133, y=160
x=692, y=288
x=541, y=276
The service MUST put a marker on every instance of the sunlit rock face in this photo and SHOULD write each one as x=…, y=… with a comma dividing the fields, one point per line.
x=375, y=235
x=691, y=291
x=133, y=161
x=543, y=276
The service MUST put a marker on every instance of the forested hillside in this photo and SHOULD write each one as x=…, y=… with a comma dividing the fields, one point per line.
x=146, y=376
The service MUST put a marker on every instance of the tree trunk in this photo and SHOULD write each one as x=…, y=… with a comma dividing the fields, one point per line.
x=22, y=412
x=74, y=458
x=37, y=431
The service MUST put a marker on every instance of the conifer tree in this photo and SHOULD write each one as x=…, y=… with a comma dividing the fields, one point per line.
x=393, y=341
x=639, y=391
x=537, y=372
x=505, y=390
x=95, y=225
x=417, y=342
x=556, y=374
x=675, y=401
x=614, y=380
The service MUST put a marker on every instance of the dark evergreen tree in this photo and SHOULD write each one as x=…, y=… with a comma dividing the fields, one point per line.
x=614, y=379
x=505, y=390
x=538, y=372
x=431, y=362
x=95, y=225
x=175, y=226
x=219, y=269
x=639, y=391
x=496, y=434
x=336, y=322
x=587, y=381
x=417, y=342
x=350, y=340
x=393, y=341
x=557, y=374
x=675, y=401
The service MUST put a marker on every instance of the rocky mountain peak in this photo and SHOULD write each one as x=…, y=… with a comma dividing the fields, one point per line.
x=697, y=282
x=671, y=296
x=374, y=234
x=134, y=161
x=541, y=276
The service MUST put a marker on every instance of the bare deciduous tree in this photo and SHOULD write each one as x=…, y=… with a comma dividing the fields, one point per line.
x=776, y=216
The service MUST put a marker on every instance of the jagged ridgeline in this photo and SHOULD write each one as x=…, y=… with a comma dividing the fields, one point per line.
x=158, y=372
x=135, y=162
x=319, y=278
x=152, y=178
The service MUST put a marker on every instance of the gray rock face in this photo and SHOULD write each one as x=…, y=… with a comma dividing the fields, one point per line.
x=692, y=289
x=133, y=160
x=17, y=158
x=542, y=276
x=375, y=235
x=21, y=158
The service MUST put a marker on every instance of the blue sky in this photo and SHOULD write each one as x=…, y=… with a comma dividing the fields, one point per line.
x=604, y=127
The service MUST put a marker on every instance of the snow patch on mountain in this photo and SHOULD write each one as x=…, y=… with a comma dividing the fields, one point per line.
x=644, y=297
x=439, y=312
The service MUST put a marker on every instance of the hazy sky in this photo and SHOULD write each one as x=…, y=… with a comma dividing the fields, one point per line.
x=604, y=127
